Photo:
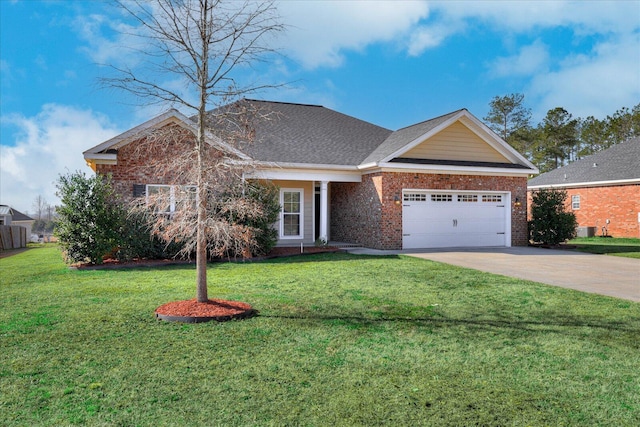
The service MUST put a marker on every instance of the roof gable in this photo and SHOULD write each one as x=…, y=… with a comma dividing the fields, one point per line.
x=105, y=152
x=619, y=163
x=456, y=142
x=458, y=138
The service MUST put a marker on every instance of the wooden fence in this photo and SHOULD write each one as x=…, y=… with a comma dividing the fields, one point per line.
x=12, y=237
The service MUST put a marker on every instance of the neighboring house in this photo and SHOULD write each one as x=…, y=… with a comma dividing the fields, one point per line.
x=446, y=182
x=10, y=216
x=603, y=190
x=15, y=228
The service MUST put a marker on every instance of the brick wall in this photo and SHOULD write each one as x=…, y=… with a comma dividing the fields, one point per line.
x=618, y=204
x=138, y=163
x=365, y=212
x=356, y=211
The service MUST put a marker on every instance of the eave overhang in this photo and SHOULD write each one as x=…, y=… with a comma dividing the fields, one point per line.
x=611, y=183
x=307, y=172
x=445, y=169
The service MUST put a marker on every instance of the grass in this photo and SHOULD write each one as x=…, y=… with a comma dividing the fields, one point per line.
x=341, y=340
x=624, y=247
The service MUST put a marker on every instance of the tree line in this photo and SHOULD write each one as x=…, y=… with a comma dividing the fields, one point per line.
x=560, y=138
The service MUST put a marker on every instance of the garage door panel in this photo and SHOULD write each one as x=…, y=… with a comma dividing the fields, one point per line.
x=441, y=219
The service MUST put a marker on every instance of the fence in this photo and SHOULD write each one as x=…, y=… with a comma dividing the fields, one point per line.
x=12, y=237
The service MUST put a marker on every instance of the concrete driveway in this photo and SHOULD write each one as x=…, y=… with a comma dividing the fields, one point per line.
x=607, y=275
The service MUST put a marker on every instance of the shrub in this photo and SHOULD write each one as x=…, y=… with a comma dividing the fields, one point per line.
x=137, y=240
x=89, y=218
x=550, y=224
x=267, y=195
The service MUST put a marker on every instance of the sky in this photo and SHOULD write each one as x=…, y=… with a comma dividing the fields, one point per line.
x=390, y=63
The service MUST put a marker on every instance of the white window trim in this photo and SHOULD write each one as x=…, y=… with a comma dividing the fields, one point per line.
x=575, y=202
x=172, y=195
x=281, y=227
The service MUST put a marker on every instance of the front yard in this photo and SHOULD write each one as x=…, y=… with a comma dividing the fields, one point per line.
x=340, y=340
x=624, y=247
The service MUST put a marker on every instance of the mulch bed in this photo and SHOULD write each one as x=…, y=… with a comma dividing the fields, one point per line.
x=192, y=311
x=275, y=253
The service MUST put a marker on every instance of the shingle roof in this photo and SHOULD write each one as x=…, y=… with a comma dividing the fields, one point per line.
x=15, y=215
x=617, y=163
x=402, y=137
x=302, y=133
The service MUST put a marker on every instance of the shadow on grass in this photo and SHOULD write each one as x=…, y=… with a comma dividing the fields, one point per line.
x=608, y=249
x=554, y=323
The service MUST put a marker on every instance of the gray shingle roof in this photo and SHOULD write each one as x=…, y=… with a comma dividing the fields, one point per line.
x=301, y=133
x=402, y=137
x=15, y=214
x=619, y=162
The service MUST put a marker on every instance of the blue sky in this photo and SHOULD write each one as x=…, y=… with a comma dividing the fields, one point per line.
x=390, y=63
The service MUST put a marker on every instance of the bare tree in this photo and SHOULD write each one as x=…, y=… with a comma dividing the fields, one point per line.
x=40, y=207
x=202, y=43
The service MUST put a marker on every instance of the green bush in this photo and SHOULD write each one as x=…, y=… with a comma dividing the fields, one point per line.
x=89, y=218
x=550, y=224
x=268, y=196
x=137, y=241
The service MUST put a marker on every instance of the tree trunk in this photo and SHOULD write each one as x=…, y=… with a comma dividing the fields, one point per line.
x=201, y=244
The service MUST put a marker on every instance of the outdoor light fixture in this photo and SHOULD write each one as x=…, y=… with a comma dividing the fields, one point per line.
x=396, y=200
x=518, y=202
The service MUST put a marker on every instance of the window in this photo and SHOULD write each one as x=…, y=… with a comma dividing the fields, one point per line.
x=415, y=197
x=160, y=197
x=575, y=202
x=167, y=197
x=291, y=217
x=441, y=198
x=492, y=198
x=467, y=198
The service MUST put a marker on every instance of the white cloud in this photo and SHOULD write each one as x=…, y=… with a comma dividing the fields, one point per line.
x=529, y=60
x=430, y=36
x=597, y=84
x=108, y=41
x=47, y=145
x=522, y=16
x=320, y=32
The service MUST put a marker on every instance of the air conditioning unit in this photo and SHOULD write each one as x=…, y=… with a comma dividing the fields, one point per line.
x=586, y=231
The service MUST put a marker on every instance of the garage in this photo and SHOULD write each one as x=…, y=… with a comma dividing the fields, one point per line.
x=440, y=219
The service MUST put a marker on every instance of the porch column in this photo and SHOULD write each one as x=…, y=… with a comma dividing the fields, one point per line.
x=324, y=211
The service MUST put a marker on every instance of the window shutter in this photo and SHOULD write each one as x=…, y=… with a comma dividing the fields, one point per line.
x=139, y=190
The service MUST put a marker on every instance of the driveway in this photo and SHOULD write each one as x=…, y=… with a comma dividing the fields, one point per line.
x=607, y=275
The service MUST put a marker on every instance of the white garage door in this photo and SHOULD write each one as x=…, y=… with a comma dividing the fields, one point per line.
x=439, y=219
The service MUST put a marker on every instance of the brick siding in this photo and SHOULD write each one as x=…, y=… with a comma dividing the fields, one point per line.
x=619, y=204
x=136, y=166
x=365, y=212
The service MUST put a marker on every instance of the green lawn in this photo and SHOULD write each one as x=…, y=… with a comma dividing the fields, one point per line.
x=340, y=340
x=629, y=248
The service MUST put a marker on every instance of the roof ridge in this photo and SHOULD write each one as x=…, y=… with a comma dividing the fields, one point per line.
x=285, y=103
x=433, y=118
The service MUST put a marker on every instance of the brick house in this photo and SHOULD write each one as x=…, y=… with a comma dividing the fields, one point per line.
x=446, y=182
x=603, y=190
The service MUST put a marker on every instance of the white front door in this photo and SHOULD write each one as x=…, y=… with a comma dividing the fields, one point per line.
x=438, y=219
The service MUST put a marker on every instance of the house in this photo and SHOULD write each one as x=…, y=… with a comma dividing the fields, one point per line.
x=446, y=182
x=15, y=228
x=603, y=190
x=10, y=216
